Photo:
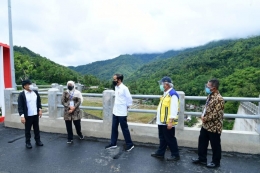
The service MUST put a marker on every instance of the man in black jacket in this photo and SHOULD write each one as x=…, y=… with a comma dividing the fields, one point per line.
x=29, y=108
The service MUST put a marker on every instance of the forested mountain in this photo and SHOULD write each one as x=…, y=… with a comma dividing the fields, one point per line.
x=125, y=64
x=235, y=63
x=44, y=71
x=128, y=64
x=190, y=68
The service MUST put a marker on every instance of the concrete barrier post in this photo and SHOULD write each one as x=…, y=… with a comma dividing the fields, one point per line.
x=60, y=111
x=79, y=87
x=54, y=85
x=35, y=87
x=53, y=102
x=60, y=87
x=180, y=125
x=8, y=97
x=108, y=103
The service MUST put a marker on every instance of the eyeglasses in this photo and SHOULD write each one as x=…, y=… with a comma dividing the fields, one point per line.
x=206, y=86
x=162, y=83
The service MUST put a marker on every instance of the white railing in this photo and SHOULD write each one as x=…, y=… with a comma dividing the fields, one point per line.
x=238, y=141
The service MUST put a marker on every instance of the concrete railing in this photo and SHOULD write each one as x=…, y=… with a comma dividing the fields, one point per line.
x=250, y=108
x=247, y=124
x=237, y=141
x=54, y=85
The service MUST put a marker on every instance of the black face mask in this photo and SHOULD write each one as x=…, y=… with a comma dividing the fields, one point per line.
x=115, y=83
x=70, y=87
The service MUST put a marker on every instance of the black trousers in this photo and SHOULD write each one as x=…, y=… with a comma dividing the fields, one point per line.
x=29, y=122
x=167, y=138
x=124, y=126
x=69, y=128
x=214, y=139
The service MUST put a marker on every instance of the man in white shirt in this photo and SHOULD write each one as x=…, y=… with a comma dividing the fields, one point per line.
x=167, y=112
x=29, y=108
x=123, y=100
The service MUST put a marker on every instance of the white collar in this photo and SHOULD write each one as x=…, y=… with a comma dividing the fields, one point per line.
x=26, y=92
x=166, y=92
x=120, y=85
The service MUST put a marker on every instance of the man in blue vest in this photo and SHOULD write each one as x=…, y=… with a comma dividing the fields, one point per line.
x=167, y=112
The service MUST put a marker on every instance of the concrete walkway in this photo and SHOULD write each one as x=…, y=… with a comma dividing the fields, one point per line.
x=89, y=156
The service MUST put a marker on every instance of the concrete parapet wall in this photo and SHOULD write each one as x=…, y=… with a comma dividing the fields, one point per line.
x=245, y=124
x=232, y=141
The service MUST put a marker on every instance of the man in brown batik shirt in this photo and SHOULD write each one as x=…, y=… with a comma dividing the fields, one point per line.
x=212, y=119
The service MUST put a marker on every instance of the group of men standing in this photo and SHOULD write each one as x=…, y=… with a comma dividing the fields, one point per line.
x=29, y=107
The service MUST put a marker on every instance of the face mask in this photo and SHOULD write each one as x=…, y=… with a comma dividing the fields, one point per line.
x=115, y=83
x=70, y=87
x=207, y=90
x=31, y=87
x=161, y=88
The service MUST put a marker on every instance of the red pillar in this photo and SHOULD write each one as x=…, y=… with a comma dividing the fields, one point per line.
x=7, y=66
x=6, y=79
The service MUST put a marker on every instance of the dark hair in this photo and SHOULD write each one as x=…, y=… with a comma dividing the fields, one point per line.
x=215, y=83
x=25, y=82
x=120, y=76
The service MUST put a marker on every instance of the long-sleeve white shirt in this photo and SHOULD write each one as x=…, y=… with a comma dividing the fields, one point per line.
x=31, y=101
x=173, y=108
x=123, y=99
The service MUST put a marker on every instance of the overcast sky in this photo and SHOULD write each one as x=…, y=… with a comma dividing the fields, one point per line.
x=77, y=32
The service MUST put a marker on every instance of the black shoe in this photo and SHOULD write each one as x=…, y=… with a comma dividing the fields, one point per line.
x=110, y=146
x=29, y=145
x=213, y=165
x=129, y=148
x=39, y=143
x=173, y=158
x=81, y=137
x=197, y=161
x=157, y=155
x=69, y=141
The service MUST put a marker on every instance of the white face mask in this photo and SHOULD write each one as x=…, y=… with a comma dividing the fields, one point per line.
x=31, y=87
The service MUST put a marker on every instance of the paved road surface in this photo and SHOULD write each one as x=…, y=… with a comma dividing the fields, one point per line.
x=89, y=156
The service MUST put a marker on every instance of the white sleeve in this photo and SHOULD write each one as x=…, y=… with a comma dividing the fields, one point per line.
x=174, y=106
x=129, y=100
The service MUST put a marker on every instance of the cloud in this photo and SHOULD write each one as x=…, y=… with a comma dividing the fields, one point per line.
x=78, y=32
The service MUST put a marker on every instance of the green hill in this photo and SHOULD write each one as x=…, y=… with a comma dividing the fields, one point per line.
x=235, y=63
x=191, y=69
x=128, y=64
x=125, y=64
x=44, y=71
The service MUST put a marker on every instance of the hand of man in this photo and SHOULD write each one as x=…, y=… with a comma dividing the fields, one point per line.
x=23, y=120
x=40, y=113
x=203, y=119
x=169, y=126
x=72, y=108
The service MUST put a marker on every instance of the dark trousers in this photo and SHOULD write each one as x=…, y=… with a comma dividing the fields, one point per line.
x=29, y=122
x=214, y=139
x=123, y=123
x=69, y=128
x=167, y=138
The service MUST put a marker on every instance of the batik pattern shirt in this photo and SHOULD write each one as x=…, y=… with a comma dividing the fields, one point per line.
x=214, y=111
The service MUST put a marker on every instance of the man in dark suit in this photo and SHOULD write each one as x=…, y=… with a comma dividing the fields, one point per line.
x=29, y=108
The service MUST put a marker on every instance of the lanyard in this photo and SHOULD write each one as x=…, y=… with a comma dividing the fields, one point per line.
x=207, y=102
x=71, y=95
